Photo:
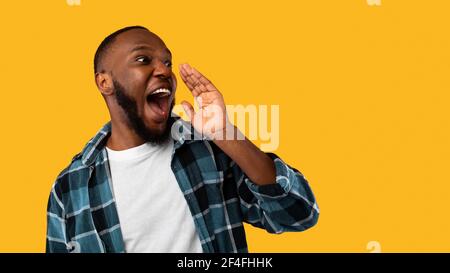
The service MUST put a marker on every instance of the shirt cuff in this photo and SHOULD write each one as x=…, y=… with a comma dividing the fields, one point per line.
x=283, y=184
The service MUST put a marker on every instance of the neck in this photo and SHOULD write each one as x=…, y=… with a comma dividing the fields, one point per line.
x=122, y=137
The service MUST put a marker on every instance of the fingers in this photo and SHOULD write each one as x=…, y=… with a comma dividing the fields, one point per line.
x=191, y=81
x=188, y=109
x=195, y=81
x=184, y=77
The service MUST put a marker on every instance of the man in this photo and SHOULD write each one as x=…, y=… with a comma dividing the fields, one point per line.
x=139, y=185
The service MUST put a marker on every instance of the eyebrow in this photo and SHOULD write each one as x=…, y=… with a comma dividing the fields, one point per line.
x=146, y=47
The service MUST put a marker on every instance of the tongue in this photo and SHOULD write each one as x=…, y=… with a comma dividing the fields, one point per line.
x=159, y=105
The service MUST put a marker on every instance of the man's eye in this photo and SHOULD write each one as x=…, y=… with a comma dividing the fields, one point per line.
x=143, y=59
x=168, y=63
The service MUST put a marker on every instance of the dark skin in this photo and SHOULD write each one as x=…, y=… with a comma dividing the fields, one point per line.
x=141, y=62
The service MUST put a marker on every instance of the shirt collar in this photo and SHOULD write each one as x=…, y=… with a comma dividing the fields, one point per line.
x=182, y=133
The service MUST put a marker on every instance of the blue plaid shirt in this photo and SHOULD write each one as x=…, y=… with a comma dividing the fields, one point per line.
x=82, y=214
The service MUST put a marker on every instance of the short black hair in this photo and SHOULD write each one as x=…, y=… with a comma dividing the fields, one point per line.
x=107, y=42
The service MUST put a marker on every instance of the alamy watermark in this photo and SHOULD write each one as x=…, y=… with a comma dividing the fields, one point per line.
x=374, y=2
x=78, y=2
x=73, y=2
x=257, y=122
x=374, y=247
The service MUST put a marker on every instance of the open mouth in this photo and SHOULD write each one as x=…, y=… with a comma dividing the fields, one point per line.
x=158, y=102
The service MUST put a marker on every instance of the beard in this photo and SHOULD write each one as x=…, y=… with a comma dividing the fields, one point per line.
x=135, y=121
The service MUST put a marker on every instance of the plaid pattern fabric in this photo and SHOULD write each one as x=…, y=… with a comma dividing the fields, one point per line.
x=82, y=215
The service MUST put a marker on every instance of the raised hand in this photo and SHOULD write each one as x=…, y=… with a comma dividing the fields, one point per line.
x=211, y=118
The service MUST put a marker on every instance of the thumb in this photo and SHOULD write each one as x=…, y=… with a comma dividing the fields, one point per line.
x=188, y=109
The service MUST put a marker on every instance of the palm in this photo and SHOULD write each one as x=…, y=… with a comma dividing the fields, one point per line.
x=210, y=118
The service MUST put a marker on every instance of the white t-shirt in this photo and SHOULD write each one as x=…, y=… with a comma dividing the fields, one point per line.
x=153, y=213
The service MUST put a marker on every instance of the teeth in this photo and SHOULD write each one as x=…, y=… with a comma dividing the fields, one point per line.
x=161, y=90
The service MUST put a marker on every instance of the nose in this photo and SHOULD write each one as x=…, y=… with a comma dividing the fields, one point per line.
x=161, y=70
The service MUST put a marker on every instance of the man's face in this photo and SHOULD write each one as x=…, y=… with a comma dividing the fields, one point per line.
x=144, y=85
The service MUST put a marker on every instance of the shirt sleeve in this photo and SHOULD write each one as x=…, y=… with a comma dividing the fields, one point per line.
x=56, y=225
x=287, y=205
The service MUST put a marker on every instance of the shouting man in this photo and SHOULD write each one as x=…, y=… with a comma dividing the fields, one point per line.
x=139, y=185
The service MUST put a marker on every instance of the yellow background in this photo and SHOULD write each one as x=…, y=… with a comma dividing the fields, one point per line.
x=363, y=94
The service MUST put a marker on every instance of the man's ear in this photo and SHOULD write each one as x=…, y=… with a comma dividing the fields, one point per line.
x=104, y=83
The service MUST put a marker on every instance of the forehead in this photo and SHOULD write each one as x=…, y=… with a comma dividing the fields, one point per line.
x=130, y=41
